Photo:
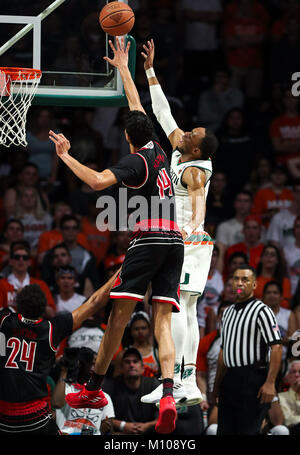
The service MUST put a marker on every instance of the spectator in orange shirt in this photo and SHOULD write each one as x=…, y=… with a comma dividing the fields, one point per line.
x=268, y=201
x=49, y=239
x=13, y=231
x=139, y=334
x=245, y=32
x=251, y=246
x=285, y=134
x=271, y=267
x=19, y=277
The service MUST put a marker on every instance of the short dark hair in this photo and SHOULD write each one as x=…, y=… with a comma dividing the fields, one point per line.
x=246, y=267
x=280, y=269
x=132, y=351
x=13, y=220
x=66, y=270
x=139, y=128
x=31, y=302
x=30, y=164
x=67, y=218
x=60, y=245
x=19, y=245
x=273, y=283
x=245, y=192
x=238, y=254
x=209, y=145
x=139, y=316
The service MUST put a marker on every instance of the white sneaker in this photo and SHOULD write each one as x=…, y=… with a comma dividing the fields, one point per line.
x=194, y=395
x=155, y=396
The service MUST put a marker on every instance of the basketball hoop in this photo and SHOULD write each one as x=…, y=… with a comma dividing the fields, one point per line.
x=17, y=89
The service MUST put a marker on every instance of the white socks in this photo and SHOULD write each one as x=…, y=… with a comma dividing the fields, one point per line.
x=192, y=338
x=185, y=333
x=179, y=330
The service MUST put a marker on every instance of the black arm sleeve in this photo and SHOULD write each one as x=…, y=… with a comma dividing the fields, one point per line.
x=131, y=170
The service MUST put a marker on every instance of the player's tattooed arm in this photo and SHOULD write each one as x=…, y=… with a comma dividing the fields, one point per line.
x=120, y=61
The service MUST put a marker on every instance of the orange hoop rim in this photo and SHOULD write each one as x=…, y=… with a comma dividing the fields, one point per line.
x=15, y=73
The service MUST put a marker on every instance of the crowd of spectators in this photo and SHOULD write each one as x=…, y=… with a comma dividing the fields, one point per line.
x=225, y=65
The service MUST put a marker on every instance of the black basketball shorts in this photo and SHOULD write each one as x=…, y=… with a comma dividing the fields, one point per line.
x=154, y=258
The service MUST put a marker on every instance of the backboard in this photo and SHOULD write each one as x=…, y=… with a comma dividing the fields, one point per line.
x=64, y=39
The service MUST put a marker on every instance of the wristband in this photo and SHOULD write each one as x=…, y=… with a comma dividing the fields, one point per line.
x=188, y=230
x=122, y=425
x=150, y=72
x=204, y=397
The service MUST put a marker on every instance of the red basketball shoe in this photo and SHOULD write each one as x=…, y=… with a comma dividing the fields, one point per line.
x=94, y=399
x=167, y=415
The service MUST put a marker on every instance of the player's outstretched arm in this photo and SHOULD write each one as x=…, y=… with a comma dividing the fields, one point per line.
x=97, y=301
x=120, y=61
x=160, y=104
x=96, y=180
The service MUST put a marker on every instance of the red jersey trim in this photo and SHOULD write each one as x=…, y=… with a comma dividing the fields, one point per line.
x=167, y=225
x=28, y=407
x=157, y=299
x=26, y=321
x=146, y=178
x=51, y=337
x=3, y=319
x=126, y=295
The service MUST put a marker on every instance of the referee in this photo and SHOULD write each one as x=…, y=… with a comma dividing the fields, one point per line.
x=249, y=359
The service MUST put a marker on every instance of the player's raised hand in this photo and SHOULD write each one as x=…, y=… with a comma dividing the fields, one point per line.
x=120, y=53
x=62, y=144
x=148, y=54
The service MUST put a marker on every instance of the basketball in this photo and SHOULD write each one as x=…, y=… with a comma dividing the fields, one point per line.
x=116, y=18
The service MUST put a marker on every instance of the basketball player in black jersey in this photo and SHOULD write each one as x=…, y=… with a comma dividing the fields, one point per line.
x=155, y=253
x=28, y=344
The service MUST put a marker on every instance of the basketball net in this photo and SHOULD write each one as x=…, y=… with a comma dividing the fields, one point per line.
x=17, y=89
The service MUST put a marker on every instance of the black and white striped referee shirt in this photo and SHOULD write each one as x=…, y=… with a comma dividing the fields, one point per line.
x=247, y=330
